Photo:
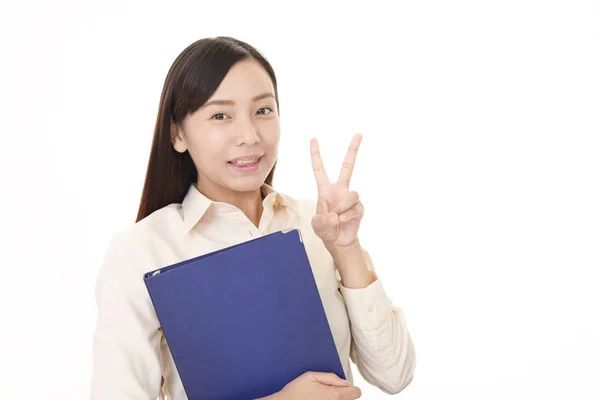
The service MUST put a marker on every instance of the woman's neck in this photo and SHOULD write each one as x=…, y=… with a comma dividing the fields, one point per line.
x=250, y=203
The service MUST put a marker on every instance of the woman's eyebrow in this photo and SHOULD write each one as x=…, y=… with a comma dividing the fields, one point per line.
x=231, y=102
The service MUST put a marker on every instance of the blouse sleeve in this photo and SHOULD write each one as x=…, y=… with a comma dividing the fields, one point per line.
x=126, y=341
x=381, y=346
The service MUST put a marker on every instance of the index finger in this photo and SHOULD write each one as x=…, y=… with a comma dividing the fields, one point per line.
x=349, y=161
x=317, y=163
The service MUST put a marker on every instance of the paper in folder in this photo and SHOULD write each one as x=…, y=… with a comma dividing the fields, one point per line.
x=244, y=321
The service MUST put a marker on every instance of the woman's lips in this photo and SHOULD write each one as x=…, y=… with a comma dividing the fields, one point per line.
x=245, y=164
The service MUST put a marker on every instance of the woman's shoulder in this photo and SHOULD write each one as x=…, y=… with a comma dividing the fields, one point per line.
x=305, y=207
x=138, y=241
x=161, y=222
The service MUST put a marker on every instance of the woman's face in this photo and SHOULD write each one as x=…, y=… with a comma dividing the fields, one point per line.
x=233, y=138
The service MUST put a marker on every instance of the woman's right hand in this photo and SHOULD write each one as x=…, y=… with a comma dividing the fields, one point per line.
x=318, y=386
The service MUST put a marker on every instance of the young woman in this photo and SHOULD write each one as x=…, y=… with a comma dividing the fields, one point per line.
x=208, y=186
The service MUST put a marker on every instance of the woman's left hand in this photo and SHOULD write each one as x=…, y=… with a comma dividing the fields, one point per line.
x=339, y=210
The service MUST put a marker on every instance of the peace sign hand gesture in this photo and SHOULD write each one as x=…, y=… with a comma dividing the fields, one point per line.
x=339, y=210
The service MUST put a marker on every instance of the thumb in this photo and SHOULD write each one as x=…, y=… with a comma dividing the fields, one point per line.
x=319, y=221
x=325, y=226
x=319, y=224
x=331, y=379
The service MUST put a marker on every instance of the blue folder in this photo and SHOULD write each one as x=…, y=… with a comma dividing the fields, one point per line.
x=244, y=321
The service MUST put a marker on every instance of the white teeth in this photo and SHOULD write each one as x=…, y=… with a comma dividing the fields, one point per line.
x=241, y=162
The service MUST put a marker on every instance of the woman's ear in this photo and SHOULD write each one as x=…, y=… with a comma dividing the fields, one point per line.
x=177, y=138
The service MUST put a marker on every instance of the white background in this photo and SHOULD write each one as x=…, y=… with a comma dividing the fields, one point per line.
x=479, y=171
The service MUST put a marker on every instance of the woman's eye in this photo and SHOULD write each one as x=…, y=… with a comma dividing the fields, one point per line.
x=265, y=113
x=219, y=116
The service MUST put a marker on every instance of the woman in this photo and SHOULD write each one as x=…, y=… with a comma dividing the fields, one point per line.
x=209, y=185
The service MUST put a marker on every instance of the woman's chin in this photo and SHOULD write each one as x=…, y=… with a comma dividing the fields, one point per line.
x=247, y=183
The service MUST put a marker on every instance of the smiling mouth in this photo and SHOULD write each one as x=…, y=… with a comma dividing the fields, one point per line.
x=245, y=163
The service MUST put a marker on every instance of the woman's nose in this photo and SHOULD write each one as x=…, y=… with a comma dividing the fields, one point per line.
x=248, y=135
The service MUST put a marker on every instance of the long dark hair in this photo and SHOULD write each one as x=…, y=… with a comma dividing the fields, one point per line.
x=192, y=79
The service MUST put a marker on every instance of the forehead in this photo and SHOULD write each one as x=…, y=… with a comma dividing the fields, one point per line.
x=243, y=81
